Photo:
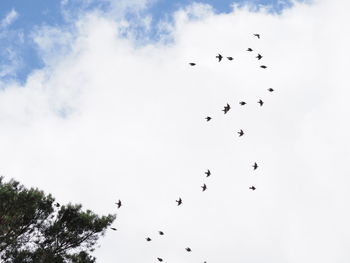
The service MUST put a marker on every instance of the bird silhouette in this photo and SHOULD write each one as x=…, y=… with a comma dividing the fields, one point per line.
x=161, y=233
x=192, y=64
x=261, y=102
x=119, y=204
x=230, y=58
x=113, y=228
x=257, y=35
x=160, y=259
x=204, y=187
x=252, y=188
x=208, y=173
x=255, y=166
x=226, y=108
x=259, y=56
x=179, y=202
x=57, y=204
x=263, y=66
x=240, y=133
x=249, y=49
x=243, y=103
x=270, y=89
x=219, y=57
x=208, y=118
x=148, y=239
x=188, y=249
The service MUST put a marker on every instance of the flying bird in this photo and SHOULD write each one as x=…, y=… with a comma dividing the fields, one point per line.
x=259, y=56
x=260, y=102
x=249, y=49
x=208, y=173
x=240, y=133
x=57, y=204
x=252, y=188
x=226, y=108
x=263, y=66
x=255, y=166
x=270, y=89
x=188, y=249
x=230, y=58
x=161, y=233
x=257, y=35
x=208, y=118
x=192, y=64
x=219, y=57
x=243, y=103
x=160, y=259
x=148, y=239
x=204, y=187
x=119, y=204
x=179, y=202
x=113, y=228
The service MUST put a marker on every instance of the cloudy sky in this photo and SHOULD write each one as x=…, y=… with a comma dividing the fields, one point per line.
x=98, y=103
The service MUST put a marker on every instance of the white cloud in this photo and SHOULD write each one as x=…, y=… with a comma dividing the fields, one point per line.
x=9, y=19
x=108, y=119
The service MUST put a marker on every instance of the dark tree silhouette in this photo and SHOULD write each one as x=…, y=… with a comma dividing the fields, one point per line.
x=34, y=229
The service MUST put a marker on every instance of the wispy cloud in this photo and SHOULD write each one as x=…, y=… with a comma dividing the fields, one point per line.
x=10, y=60
x=9, y=19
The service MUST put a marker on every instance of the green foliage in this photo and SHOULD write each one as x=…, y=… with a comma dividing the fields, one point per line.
x=32, y=229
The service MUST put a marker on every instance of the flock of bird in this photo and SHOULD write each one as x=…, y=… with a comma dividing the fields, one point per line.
x=242, y=103
x=208, y=173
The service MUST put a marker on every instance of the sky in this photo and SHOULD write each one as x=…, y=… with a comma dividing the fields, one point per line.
x=98, y=103
x=19, y=54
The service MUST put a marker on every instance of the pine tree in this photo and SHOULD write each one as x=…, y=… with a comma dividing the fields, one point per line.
x=33, y=228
